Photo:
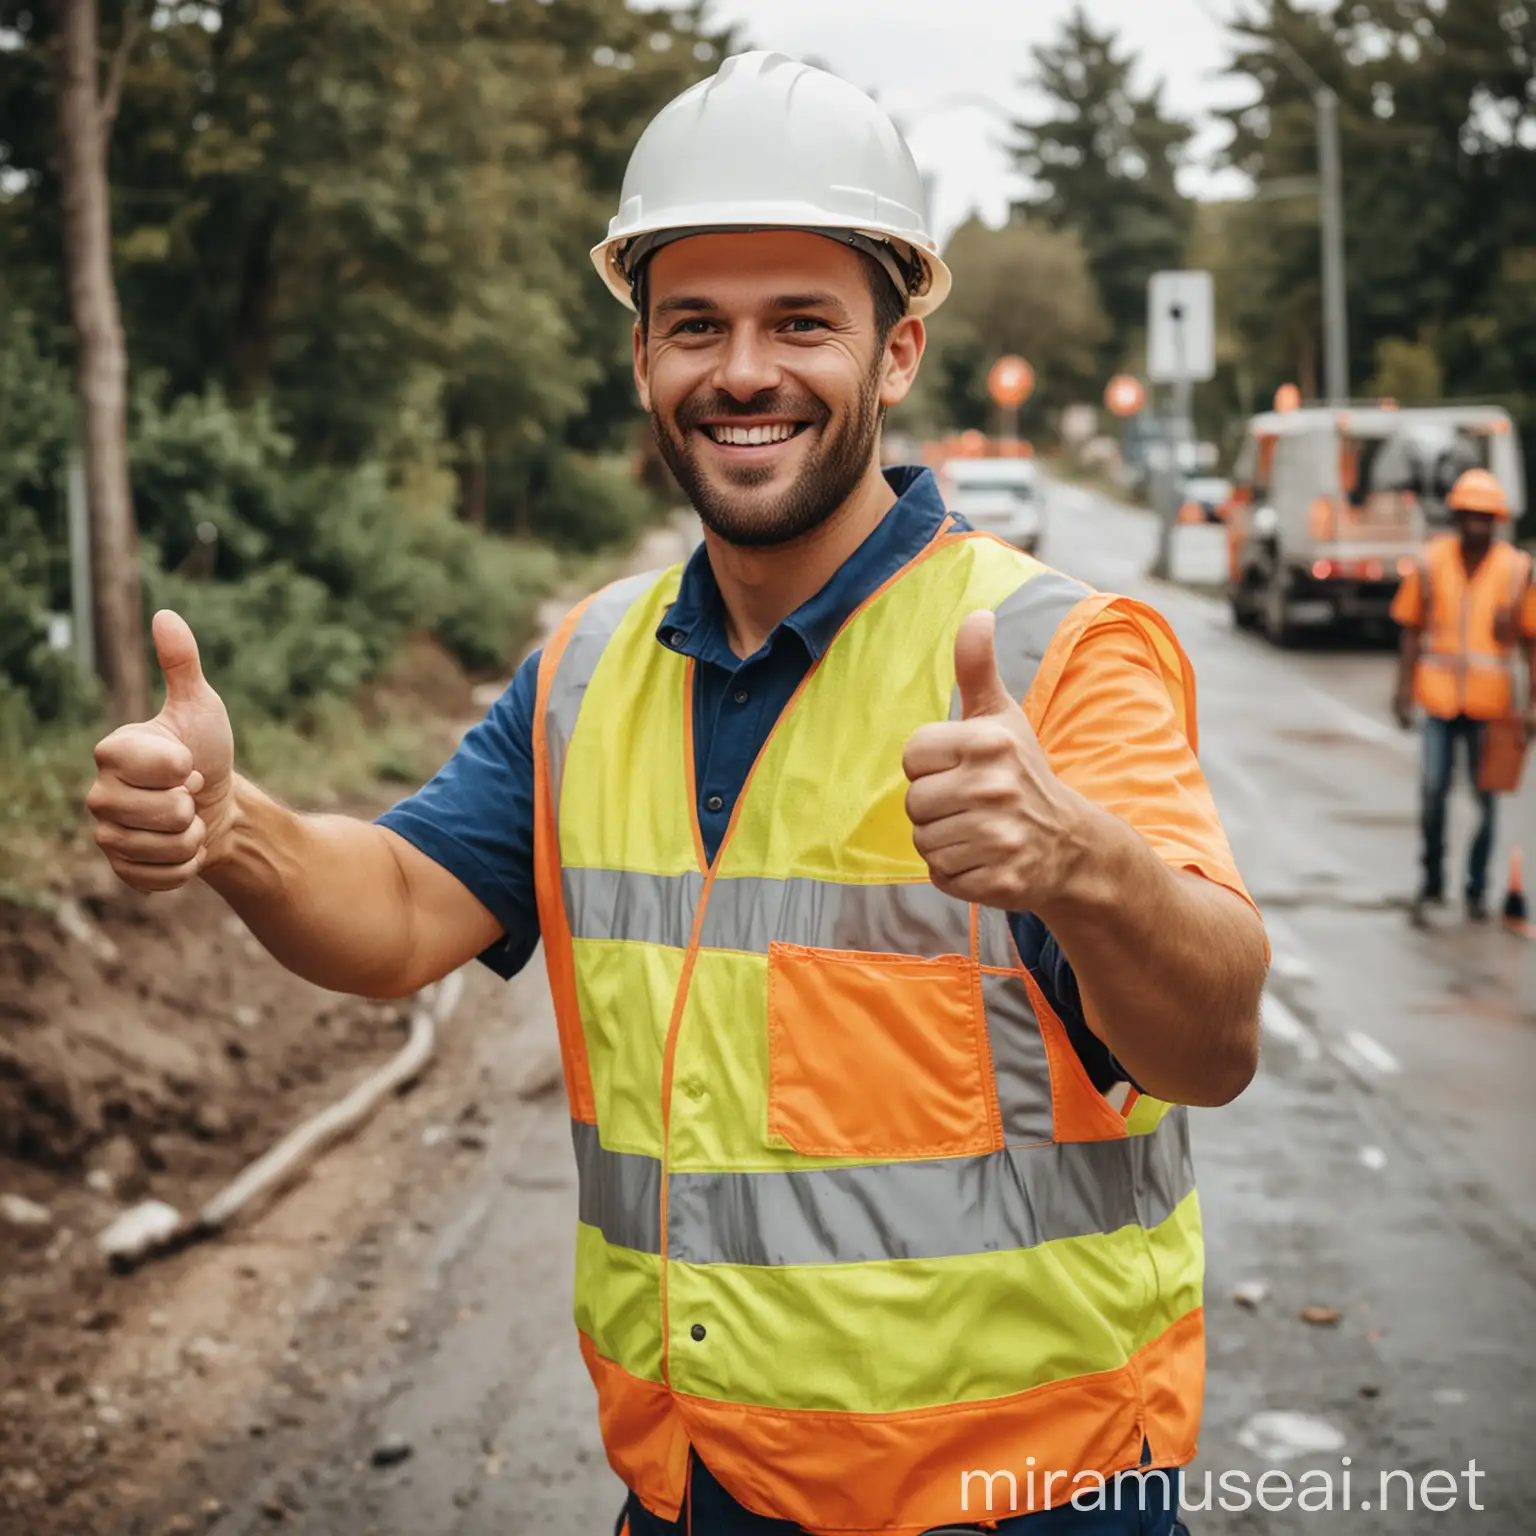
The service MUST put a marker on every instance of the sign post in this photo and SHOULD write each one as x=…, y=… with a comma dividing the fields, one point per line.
x=1181, y=351
x=1010, y=383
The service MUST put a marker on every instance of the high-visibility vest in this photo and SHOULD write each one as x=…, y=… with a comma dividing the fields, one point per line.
x=853, y=1221
x=1467, y=661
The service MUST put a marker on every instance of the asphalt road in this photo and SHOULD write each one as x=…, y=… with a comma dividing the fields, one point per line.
x=1381, y=1165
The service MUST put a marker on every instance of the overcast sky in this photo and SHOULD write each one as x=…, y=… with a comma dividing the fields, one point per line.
x=919, y=55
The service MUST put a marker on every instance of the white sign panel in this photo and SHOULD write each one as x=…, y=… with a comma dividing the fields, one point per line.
x=1181, y=327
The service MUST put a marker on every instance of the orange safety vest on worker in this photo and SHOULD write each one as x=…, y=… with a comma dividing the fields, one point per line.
x=853, y=1220
x=1470, y=626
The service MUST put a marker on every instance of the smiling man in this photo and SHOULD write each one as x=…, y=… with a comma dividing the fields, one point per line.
x=887, y=915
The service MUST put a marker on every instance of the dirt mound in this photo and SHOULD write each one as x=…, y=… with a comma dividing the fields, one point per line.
x=148, y=1049
x=156, y=1028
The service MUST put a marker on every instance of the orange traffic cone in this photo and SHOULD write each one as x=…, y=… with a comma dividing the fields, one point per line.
x=1515, y=908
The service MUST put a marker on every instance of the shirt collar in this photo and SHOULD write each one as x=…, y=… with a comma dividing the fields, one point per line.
x=694, y=625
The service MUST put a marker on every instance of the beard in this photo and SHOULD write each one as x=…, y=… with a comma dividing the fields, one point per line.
x=839, y=461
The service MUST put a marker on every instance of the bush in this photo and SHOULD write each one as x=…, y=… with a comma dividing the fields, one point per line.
x=301, y=581
x=487, y=590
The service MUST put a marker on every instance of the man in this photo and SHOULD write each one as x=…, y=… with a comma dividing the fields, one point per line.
x=853, y=956
x=1463, y=611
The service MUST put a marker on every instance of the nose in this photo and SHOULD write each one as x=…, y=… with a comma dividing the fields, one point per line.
x=746, y=366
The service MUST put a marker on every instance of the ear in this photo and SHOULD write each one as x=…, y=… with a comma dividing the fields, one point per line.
x=903, y=353
x=642, y=369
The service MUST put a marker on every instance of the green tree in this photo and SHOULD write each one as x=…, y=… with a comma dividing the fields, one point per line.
x=1438, y=124
x=1026, y=289
x=1103, y=163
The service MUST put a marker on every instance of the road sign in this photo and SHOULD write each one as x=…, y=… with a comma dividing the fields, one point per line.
x=1181, y=327
x=1011, y=382
x=1124, y=396
x=1078, y=423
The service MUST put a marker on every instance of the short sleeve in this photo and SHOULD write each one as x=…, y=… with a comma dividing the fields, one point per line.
x=1111, y=733
x=475, y=818
x=1408, y=604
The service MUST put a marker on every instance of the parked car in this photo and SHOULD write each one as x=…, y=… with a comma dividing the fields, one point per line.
x=1202, y=498
x=1001, y=496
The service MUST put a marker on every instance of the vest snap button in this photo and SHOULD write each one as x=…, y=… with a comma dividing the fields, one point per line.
x=697, y=1332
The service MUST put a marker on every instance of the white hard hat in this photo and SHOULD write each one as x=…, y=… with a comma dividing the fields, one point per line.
x=770, y=143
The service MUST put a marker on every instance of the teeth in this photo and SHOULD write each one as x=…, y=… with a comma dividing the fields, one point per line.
x=753, y=437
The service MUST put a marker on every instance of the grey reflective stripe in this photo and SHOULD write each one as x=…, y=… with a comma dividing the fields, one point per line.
x=913, y=918
x=1027, y=622
x=629, y=904
x=1454, y=662
x=995, y=946
x=1017, y=1198
x=578, y=662
x=1019, y=1062
x=620, y=1192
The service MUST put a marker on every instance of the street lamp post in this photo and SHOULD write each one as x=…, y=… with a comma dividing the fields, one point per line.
x=1330, y=199
x=1331, y=225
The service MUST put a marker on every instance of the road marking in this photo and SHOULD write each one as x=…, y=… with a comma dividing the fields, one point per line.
x=1278, y=1020
x=1368, y=1051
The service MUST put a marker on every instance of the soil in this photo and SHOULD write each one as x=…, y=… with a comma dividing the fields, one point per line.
x=151, y=1049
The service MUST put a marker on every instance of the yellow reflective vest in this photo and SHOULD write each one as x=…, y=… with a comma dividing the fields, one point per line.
x=853, y=1220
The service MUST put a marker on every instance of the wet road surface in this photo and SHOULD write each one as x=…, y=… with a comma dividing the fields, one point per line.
x=1381, y=1165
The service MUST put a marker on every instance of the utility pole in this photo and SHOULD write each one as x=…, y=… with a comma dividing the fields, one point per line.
x=1331, y=224
x=1330, y=220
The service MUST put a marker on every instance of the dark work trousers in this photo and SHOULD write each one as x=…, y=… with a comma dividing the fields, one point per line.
x=1441, y=738
x=1147, y=1506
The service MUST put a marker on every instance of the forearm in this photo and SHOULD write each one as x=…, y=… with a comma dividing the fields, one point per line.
x=1408, y=660
x=325, y=895
x=1170, y=966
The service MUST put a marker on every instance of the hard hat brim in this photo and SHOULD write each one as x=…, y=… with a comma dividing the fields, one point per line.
x=607, y=256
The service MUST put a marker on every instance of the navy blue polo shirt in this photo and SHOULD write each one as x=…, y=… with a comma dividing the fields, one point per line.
x=475, y=818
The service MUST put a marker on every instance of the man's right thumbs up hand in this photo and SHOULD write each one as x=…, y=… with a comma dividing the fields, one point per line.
x=163, y=797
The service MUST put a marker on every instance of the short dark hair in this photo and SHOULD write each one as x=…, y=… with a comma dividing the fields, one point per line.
x=890, y=305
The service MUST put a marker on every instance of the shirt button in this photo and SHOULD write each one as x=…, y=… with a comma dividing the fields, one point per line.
x=697, y=1332
x=675, y=639
x=740, y=695
x=714, y=803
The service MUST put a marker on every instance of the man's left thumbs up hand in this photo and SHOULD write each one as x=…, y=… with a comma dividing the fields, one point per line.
x=993, y=822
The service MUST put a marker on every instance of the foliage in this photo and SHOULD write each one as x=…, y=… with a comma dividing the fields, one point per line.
x=1407, y=371
x=1023, y=288
x=1104, y=164
x=351, y=247
x=1438, y=130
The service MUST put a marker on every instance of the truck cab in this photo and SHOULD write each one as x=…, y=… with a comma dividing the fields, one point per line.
x=1330, y=507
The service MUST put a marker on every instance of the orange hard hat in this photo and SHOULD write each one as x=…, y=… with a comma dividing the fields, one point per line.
x=1478, y=491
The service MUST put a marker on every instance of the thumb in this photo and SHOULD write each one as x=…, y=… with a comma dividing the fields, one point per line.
x=982, y=690
x=176, y=648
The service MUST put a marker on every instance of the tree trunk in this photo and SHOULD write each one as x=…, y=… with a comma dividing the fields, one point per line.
x=472, y=491
x=102, y=363
x=251, y=344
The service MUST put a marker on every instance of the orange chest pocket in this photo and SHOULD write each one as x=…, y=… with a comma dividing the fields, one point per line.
x=878, y=1056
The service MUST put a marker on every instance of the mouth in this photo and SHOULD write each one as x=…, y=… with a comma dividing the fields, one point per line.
x=759, y=440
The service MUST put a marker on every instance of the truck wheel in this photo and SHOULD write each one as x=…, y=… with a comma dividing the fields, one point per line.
x=1241, y=602
x=1276, y=614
